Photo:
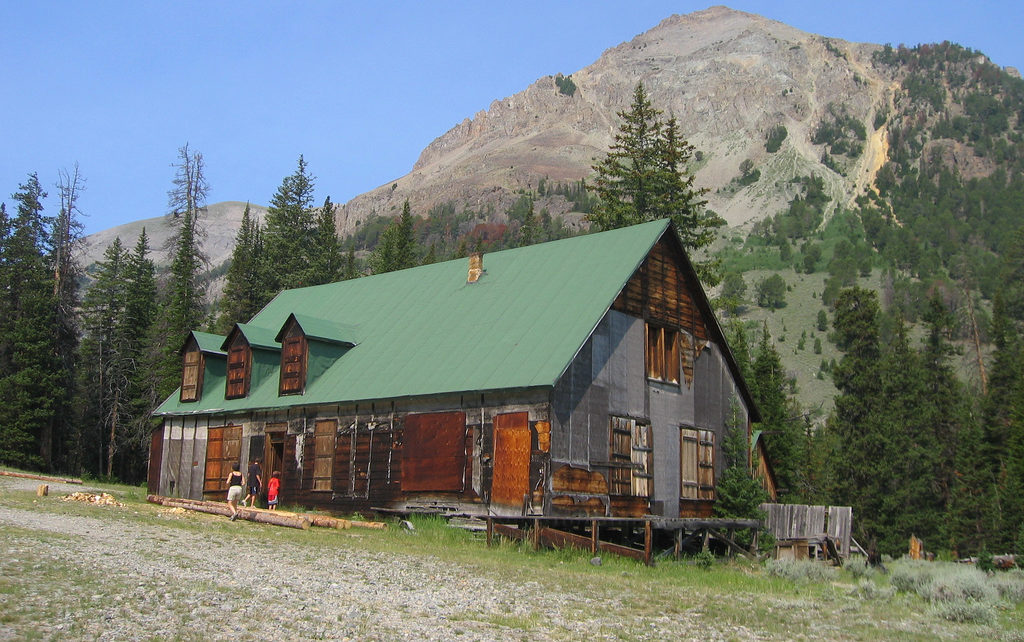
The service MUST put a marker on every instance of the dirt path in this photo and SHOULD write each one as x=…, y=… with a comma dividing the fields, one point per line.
x=126, y=579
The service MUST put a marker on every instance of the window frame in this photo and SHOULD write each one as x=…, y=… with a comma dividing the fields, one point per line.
x=696, y=464
x=325, y=433
x=632, y=469
x=294, y=350
x=661, y=353
x=236, y=384
x=199, y=367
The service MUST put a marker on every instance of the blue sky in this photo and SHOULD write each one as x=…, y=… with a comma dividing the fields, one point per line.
x=358, y=88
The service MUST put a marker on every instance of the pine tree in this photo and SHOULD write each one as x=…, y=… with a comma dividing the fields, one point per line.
x=398, y=248
x=326, y=261
x=783, y=433
x=31, y=386
x=646, y=176
x=244, y=288
x=66, y=240
x=288, y=234
x=528, y=228
x=184, y=295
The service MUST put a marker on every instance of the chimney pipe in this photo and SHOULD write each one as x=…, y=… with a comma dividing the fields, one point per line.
x=476, y=267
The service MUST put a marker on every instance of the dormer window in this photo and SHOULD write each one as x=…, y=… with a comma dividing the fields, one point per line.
x=294, y=354
x=239, y=367
x=192, y=372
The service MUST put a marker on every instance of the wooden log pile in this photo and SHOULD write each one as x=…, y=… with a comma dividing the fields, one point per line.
x=101, y=499
x=263, y=516
x=56, y=480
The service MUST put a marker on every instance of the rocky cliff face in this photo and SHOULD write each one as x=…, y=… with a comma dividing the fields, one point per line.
x=727, y=76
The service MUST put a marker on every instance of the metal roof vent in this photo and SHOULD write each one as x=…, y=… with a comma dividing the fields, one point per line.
x=476, y=267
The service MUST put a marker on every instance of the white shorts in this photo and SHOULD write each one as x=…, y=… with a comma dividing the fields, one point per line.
x=234, y=493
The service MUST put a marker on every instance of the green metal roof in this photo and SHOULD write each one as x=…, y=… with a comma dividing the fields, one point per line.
x=208, y=342
x=322, y=330
x=257, y=336
x=426, y=331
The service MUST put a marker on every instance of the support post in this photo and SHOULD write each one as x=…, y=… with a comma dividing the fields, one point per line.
x=594, y=536
x=648, y=542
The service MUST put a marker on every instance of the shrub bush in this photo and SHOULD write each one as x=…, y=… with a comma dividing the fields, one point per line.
x=964, y=612
x=800, y=571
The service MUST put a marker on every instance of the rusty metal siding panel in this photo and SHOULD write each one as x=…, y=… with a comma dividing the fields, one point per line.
x=511, y=476
x=434, y=452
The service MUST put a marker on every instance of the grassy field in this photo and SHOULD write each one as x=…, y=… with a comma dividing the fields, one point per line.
x=730, y=599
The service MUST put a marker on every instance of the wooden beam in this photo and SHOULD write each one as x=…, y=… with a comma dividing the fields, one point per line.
x=249, y=514
x=58, y=480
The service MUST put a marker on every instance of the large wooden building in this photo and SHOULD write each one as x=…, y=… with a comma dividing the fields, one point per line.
x=586, y=376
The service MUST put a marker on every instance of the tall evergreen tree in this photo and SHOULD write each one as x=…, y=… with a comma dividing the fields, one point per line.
x=31, y=386
x=289, y=233
x=528, y=229
x=646, y=176
x=326, y=260
x=66, y=240
x=778, y=415
x=184, y=295
x=106, y=353
x=139, y=321
x=244, y=289
x=398, y=248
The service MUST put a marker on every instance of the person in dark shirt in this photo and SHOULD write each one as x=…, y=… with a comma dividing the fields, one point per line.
x=255, y=482
x=234, y=482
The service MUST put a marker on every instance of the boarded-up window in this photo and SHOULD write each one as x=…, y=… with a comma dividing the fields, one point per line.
x=696, y=464
x=662, y=355
x=192, y=374
x=293, y=362
x=631, y=457
x=434, y=452
x=239, y=366
x=323, y=453
x=223, y=448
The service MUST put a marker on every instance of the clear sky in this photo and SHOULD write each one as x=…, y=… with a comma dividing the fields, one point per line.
x=358, y=88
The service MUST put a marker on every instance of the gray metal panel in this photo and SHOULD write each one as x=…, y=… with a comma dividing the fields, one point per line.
x=626, y=364
x=599, y=435
x=665, y=407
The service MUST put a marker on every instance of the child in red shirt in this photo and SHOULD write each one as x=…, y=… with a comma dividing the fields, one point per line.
x=273, y=486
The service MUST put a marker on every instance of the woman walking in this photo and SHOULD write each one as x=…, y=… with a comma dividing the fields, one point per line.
x=235, y=481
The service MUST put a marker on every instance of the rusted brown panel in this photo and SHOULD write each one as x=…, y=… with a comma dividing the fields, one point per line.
x=434, y=452
x=511, y=476
x=223, y=448
x=622, y=506
x=696, y=508
x=156, y=453
x=568, y=479
x=575, y=506
x=543, y=429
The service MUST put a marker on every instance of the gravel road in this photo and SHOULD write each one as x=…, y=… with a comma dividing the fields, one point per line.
x=144, y=581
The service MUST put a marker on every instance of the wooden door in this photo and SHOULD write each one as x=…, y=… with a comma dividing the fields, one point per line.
x=511, y=480
x=223, y=448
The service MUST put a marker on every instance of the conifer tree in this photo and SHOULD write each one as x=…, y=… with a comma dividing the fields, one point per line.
x=139, y=320
x=398, y=248
x=288, y=234
x=528, y=228
x=326, y=260
x=244, y=288
x=781, y=429
x=184, y=295
x=646, y=176
x=31, y=384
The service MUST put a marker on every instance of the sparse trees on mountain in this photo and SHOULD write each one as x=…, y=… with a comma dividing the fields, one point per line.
x=398, y=248
x=646, y=176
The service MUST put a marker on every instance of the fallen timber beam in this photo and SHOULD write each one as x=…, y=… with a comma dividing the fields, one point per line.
x=732, y=544
x=217, y=508
x=56, y=480
x=315, y=519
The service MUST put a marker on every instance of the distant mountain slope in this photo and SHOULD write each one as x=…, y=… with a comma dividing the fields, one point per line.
x=221, y=224
x=728, y=76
